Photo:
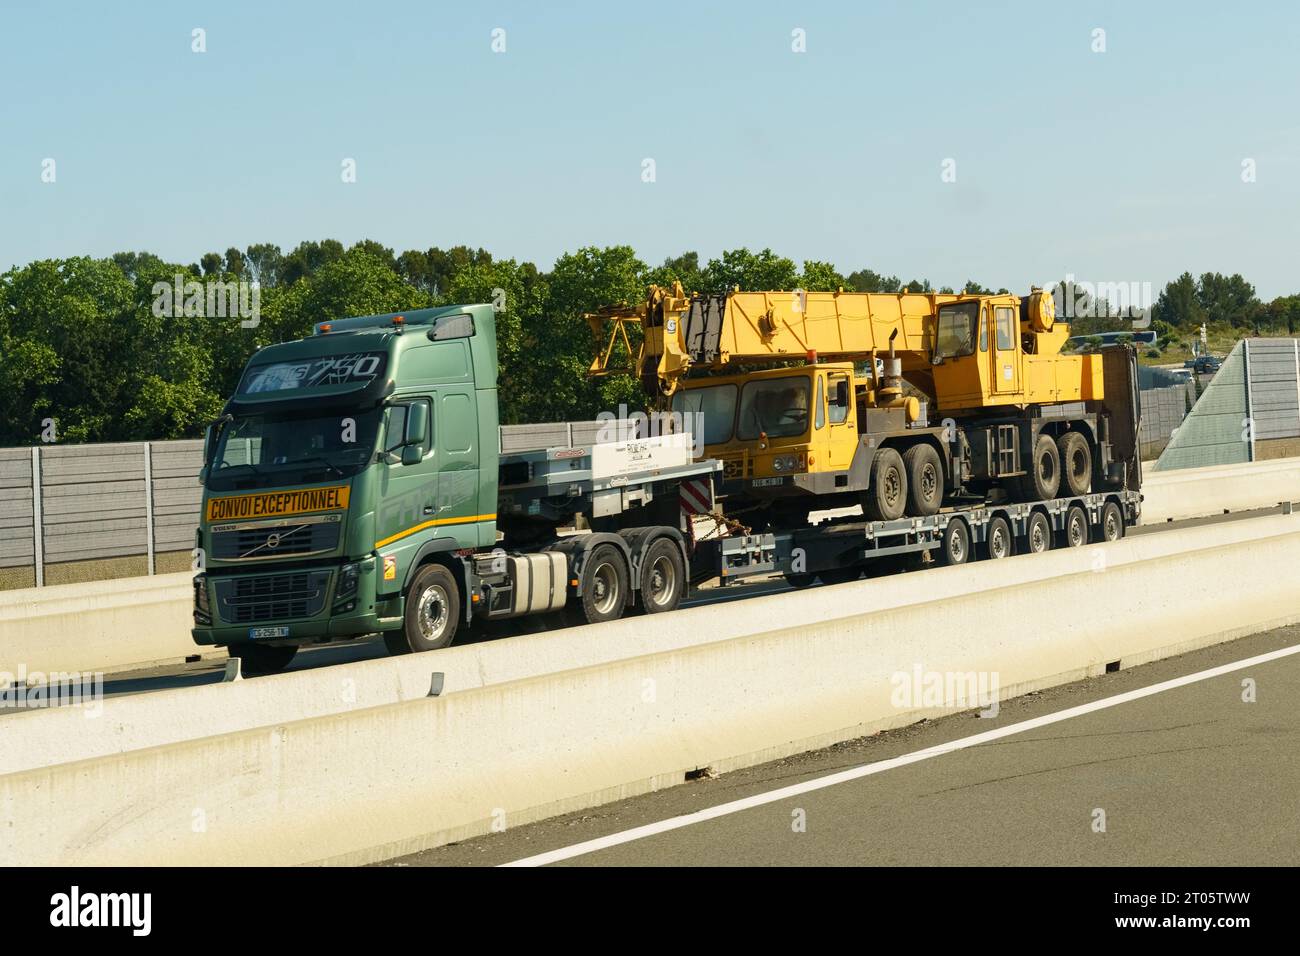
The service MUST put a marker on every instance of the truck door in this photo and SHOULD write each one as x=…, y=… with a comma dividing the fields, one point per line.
x=841, y=421
x=1006, y=351
x=408, y=493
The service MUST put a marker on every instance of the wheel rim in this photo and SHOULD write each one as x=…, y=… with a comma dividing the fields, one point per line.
x=893, y=486
x=957, y=547
x=1076, y=530
x=1112, y=527
x=604, y=588
x=1037, y=539
x=663, y=580
x=1045, y=469
x=432, y=612
x=998, y=542
x=1079, y=466
x=929, y=483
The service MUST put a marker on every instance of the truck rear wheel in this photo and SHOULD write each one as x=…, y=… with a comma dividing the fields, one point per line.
x=255, y=659
x=1043, y=472
x=924, y=480
x=663, y=575
x=604, y=587
x=432, y=613
x=1076, y=462
x=886, y=498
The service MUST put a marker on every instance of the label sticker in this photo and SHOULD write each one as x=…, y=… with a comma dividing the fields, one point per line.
x=278, y=503
x=390, y=567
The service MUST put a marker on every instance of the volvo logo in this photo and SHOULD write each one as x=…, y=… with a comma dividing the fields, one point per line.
x=273, y=541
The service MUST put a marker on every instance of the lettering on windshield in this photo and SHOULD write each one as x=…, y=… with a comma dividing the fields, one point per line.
x=357, y=368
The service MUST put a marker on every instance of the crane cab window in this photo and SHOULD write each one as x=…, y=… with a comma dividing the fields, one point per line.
x=709, y=411
x=776, y=407
x=984, y=329
x=956, y=330
x=839, y=412
x=1006, y=321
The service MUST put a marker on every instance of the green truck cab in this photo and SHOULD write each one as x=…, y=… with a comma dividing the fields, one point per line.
x=342, y=461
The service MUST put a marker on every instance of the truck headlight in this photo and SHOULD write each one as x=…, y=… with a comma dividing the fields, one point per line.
x=202, y=609
x=784, y=463
x=345, y=595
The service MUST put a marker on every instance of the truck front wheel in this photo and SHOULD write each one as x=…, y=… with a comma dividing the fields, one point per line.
x=432, y=613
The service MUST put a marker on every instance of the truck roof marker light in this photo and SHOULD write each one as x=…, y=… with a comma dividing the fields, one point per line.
x=399, y=320
x=812, y=356
x=324, y=328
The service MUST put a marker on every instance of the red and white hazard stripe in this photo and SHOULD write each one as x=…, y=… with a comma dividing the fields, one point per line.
x=696, y=496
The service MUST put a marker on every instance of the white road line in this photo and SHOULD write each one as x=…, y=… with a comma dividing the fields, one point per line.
x=866, y=770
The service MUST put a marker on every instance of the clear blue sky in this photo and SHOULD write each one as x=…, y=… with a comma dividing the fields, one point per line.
x=1115, y=166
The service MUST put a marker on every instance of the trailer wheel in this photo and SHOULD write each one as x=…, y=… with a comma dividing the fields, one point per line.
x=1076, y=462
x=255, y=659
x=1112, y=522
x=924, y=480
x=1043, y=473
x=604, y=587
x=1076, y=527
x=432, y=613
x=886, y=498
x=999, y=543
x=662, y=576
x=956, y=543
x=1038, y=535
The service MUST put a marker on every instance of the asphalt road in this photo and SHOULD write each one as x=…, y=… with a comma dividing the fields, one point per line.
x=197, y=673
x=1192, y=775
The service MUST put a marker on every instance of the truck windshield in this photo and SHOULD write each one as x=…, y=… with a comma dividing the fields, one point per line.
x=709, y=411
x=776, y=407
x=956, y=332
x=259, y=451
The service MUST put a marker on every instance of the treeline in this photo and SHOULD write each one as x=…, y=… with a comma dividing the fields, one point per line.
x=84, y=356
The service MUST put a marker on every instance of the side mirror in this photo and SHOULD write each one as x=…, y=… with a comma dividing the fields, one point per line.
x=412, y=454
x=417, y=428
x=842, y=393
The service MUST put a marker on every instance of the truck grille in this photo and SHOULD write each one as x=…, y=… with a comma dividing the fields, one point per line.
x=273, y=597
x=278, y=540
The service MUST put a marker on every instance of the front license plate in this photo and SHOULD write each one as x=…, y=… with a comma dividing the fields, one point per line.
x=768, y=482
x=265, y=633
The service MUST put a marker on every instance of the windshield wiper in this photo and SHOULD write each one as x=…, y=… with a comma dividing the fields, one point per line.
x=243, y=464
x=324, y=461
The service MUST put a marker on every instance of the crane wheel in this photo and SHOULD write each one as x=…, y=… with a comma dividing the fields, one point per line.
x=1043, y=477
x=886, y=498
x=924, y=480
x=1076, y=462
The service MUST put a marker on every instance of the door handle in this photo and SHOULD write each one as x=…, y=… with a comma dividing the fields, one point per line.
x=429, y=509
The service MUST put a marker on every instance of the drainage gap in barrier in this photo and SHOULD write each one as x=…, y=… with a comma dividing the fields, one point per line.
x=193, y=659
x=699, y=773
x=1112, y=667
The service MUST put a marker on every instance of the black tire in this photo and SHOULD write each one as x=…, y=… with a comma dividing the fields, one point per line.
x=1112, y=523
x=432, y=612
x=998, y=542
x=956, y=543
x=1075, y=533
x=1076, y=462
x=1038, y=534
x=839, y=575
x=604, y=587
x=663, y=577
x=800, y=581
x=886, y=498
x=258, y=659
x=1043, y=472
x=924, y=480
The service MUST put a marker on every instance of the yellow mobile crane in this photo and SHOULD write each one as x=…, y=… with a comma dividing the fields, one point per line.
x=802, y=396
